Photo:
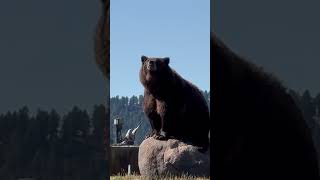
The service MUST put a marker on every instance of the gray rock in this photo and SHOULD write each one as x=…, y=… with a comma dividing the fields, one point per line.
x=172, y=157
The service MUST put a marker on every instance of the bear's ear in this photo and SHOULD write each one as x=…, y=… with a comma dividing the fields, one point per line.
x=166, y=60
x=143, y=58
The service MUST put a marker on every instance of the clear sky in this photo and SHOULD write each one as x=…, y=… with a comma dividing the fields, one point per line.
x=178, y=29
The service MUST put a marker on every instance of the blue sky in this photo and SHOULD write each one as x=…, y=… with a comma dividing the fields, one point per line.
x=177, y=29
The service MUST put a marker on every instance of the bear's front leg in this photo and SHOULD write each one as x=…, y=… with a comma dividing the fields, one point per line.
x=155, y=122
x=152, y=114
x=166, y=130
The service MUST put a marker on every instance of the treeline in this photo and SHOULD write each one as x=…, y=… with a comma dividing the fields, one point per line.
x=48, y=146
x=131, y=112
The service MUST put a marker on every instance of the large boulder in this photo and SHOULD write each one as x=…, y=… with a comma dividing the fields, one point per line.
x=172, y=157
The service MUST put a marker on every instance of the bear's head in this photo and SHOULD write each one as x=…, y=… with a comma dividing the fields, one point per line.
x=154, y=70
x=154, y=65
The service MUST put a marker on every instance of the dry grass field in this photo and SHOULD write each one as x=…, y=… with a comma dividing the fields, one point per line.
x=134, y=177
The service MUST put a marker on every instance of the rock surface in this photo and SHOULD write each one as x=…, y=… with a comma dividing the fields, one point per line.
x=172, y=157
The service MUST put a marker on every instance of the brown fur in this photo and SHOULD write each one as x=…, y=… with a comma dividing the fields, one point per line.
x=175, y=107
x=258, y=130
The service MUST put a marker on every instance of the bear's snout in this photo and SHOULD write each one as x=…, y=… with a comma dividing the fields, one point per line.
x=151, y=66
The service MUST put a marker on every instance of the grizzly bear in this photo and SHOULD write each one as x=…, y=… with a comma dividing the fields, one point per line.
x=175, y=107
x=258, y=130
